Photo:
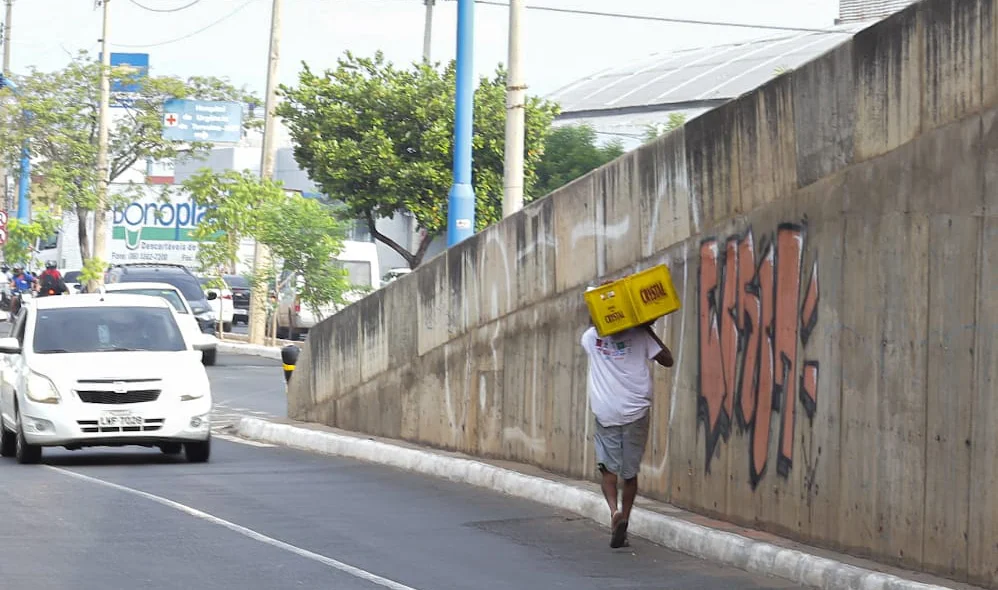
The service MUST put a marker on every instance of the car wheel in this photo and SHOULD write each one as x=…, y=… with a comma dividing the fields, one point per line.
x=171, y=448
x=8, y=442
x=198, y=452
x=26, y=453
x=208, y=357
x=227, y=327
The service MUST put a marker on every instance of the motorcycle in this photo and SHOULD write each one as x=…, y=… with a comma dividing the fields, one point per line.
x=19, y=298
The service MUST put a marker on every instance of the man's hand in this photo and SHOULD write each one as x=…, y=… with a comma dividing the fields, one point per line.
x=664, y=358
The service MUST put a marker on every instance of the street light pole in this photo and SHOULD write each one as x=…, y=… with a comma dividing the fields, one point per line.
x=103, y=126
x=461, y=200
x=515, y=114
x=261, y=254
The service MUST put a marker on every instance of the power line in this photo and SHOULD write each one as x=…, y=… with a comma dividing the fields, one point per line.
x=664, y=19
x=150, y=9
x=191, y=34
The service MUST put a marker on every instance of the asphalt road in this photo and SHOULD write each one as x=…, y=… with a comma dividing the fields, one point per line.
x=268, y=518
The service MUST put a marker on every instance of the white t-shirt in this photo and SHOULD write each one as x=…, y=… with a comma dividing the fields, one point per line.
x=620, y=385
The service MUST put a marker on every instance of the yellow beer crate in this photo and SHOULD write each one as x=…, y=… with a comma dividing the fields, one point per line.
x=633, y=300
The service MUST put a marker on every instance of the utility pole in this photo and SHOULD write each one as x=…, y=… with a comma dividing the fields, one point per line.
x=8, y=18
x=515, y=114
x=261, y=254
x=461, y=199
x=428, y=29
x=6, y=36
x=103, y=123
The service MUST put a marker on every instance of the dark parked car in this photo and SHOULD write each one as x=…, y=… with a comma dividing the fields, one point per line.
x=173, y=274
x=240, y=287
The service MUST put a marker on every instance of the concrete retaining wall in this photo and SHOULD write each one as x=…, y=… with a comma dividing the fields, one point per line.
x=834, y=237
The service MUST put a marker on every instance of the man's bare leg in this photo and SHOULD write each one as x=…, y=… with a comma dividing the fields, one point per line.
x=609, y=486
x=630, y=492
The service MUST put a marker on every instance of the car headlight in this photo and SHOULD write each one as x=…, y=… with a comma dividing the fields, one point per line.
x=208, y=315
x=41, y=389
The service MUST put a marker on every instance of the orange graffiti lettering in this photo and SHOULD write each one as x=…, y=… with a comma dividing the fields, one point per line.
x=750, y=317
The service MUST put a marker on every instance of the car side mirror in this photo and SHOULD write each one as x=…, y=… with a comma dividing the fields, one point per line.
x=10, y=346
x=212, y=296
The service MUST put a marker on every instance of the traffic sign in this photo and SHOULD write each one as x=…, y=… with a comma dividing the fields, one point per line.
x=3, y=226
x=129, y=68
x=3, y=236
x=3, y=218
x=202, y=120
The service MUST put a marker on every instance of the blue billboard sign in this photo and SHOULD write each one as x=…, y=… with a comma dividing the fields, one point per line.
x=129, y=68
x=202, y=120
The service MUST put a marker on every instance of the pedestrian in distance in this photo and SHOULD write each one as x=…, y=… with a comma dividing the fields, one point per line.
x=620, y=395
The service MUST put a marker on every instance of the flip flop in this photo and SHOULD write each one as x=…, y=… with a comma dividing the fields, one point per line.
x=619, y=536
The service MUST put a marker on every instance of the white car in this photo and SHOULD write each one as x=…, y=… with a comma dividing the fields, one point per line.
x=102, y=370
x=186, y=318
x=221, y=305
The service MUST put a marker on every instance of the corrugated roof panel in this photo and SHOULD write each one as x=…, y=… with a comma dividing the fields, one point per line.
x=860, y=10
x=718, y=72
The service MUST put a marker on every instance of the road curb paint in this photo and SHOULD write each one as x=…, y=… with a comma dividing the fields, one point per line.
x=674, y=533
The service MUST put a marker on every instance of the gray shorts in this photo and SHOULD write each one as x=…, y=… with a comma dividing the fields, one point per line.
x=619, y=449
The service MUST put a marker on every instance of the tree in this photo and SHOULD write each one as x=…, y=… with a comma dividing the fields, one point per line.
x=62, y=129
x=304, y=235
x=379, y=139
x=653, y=132
x=570, y=152
x=21, y=238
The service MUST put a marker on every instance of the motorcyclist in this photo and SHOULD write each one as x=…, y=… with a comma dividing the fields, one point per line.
x=50, y=282
x=22, y=282
x=5, y=287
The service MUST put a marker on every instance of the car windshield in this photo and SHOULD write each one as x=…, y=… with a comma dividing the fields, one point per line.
x=169, y=294
x=106, y=329
x=237, y=282
x=72, y=276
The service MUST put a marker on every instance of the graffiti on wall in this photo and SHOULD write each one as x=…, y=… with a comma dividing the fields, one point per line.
x=752, y=313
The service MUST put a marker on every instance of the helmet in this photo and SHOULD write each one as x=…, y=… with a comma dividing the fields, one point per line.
x=50, y=264
x=18, y=267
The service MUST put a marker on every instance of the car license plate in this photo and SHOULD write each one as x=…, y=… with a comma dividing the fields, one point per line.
x=122, y=418
x=240, y=311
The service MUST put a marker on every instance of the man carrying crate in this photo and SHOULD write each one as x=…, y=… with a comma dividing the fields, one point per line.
x=620, y=395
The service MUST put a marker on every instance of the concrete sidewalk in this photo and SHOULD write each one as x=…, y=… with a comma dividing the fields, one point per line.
x=661, y=523
x=270, y=352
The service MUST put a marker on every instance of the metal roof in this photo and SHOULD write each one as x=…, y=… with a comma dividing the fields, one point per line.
x=697, y=77
x=857, y=10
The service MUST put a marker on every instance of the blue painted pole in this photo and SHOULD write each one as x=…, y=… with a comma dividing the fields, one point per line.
x=461, y=200
x=23, y=205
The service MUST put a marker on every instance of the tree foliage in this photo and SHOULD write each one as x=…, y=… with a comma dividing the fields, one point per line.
x=572, y=151
x=675, y=121
x=380, y=139
x=22, y=237
x=62, y=127
x=304, y=236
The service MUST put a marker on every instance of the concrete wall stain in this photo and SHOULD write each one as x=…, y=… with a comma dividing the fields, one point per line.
x=750, y=317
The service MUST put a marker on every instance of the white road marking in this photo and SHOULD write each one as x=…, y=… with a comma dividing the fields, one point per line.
x=242, y=441
x=328, y=561
x=259, y=413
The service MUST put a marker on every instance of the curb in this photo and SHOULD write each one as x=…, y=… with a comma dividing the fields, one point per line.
x=673, y=533
x=269, y=352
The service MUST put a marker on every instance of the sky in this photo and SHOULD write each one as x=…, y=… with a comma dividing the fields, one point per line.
x=229, y=38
